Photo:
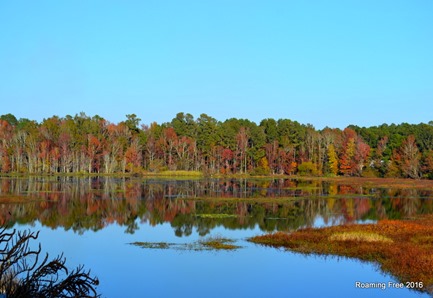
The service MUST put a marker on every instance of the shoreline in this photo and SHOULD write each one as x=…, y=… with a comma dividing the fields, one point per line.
x=376, y=181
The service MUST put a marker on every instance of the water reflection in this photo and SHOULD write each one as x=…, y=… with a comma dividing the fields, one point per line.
x=93, y=203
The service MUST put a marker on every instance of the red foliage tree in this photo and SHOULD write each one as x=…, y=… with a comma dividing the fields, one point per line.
x=354, y=153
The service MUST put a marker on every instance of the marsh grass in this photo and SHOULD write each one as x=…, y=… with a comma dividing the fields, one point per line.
x=216, y=216
x=153, y=245
x=210, y=243
x=403, y=248
x=375, y=182
x=359, y=236
x=218, y=243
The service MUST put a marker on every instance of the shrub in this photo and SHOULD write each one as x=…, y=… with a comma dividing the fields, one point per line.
x=307, y=169
x=22, y=274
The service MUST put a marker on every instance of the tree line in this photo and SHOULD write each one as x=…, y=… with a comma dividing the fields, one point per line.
x=84, y=144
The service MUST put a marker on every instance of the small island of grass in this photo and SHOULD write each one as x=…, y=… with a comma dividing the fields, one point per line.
x=403, y=248
x=209, y=243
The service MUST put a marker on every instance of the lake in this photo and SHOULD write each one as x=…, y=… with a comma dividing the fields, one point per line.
x=95, y=220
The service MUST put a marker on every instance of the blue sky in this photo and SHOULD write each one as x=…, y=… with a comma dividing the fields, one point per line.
x=328, y=63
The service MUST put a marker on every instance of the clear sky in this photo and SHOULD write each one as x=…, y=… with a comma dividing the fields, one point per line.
x=328, y=63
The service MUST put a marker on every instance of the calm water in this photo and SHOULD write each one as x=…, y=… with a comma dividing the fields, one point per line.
x=94, y=220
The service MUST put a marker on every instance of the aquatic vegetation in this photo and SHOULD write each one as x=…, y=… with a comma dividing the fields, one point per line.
x=153, y=245
x=218, y=242
x=376, y=182
x=209, y=243
x=403, y=248
x=216, y=216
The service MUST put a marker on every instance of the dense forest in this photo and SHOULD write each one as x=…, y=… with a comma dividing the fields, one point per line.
x=83, y=144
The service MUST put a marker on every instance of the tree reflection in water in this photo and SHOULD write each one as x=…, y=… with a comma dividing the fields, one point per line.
x=273, y=205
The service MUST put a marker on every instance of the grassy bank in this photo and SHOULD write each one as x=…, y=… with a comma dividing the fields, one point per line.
x=403, y=248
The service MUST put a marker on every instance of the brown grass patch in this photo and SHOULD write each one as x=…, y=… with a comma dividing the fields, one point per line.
x=377, y=182
x=218, y=243
x=403, y=248
x=359, y=236
x=210, y=243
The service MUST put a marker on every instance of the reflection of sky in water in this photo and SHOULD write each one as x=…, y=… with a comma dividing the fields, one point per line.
x=253, y=271
x=320, y=223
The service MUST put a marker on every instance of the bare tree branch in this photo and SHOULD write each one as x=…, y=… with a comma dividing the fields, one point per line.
x=22, y=274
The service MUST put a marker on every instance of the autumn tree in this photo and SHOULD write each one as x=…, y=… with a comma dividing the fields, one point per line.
x=227, y=159
x=185, y=149
x=272, y=156
x=427, y=164
x=354, y=153
x=133, y=157
x=332, y=164
x=347, y=166
x=6, y=132
x=410, y=158
x=168, y=142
